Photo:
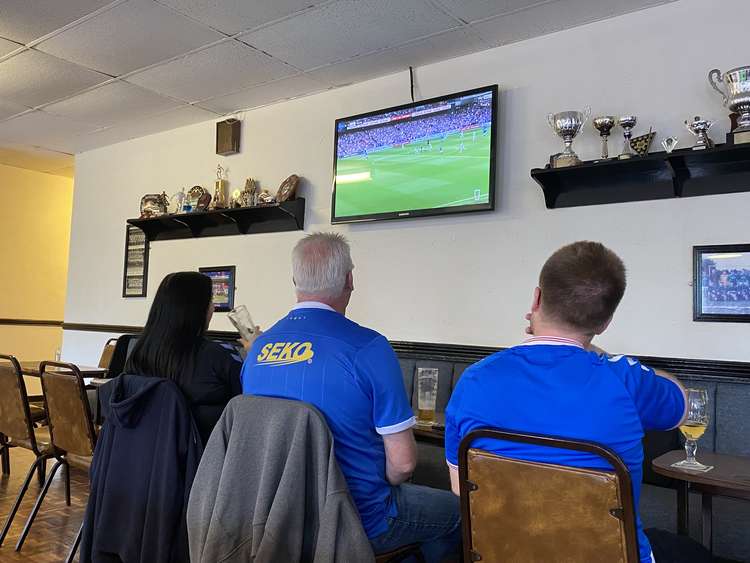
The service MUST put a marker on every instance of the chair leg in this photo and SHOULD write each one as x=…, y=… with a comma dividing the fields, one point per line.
x=42, y=472
x=66, y=469
x=74, y=548
x=5, y=454
x=19, y=498
x=37, y=505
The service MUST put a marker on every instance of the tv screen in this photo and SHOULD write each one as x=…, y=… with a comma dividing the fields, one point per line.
x=425, y=158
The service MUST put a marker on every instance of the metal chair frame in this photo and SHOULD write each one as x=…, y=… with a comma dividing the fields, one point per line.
x=620, y=469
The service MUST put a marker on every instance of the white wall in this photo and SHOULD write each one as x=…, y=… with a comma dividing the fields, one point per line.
x=465, y=279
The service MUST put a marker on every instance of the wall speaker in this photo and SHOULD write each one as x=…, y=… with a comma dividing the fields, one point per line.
x=228, y=137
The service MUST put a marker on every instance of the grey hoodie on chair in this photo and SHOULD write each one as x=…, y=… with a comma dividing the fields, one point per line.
x=268, y=489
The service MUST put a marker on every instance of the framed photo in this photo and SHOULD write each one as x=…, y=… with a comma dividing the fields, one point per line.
x=721, y=283
x=135, y=270
x=222, y=279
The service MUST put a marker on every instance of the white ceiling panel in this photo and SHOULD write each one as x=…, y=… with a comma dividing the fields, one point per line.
x=185, y=115
x=448, y=45
x=555, y=16
x=32, y=78
x=221, y=69
x=26, y=20
x=113, y=103
x=44, y=130
x=131, y=35
x=360, y=69
x=473, y=10
x=7, y=46
x=8, y=109
x=264, y=94
x=233, y=16
x=347, y=28
x=36, y=158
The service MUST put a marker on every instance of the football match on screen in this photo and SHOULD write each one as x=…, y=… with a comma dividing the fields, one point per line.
x=430, y=156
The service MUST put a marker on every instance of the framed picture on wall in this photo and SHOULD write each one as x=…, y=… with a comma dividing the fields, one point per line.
x=721, y=283
x=135, y=270
x=222, y=280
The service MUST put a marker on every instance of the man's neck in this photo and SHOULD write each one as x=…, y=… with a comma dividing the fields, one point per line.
x=334, y=304
x=549, y=329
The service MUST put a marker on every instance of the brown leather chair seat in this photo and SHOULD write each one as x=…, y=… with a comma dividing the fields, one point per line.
x=43, y=441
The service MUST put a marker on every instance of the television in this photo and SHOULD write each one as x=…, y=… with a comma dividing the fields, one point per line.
x=430, y=157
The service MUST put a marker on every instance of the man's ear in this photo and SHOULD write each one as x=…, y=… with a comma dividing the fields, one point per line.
x=536, y=301
x=349, y=285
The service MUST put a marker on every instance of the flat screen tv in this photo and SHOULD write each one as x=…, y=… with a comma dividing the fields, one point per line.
x=430, y=157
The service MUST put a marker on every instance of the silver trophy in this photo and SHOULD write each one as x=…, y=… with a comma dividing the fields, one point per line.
x=567, y=124
x=627, y=122
x=736, y=96
x=699, y=127
x=604, y=125
x=669, y=144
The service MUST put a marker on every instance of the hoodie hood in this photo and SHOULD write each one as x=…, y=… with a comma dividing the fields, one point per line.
x=123, y=399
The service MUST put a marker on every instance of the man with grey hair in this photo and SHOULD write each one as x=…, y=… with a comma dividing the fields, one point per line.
x=351, y=374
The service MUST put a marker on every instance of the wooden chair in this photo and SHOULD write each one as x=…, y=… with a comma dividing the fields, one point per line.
x=17, y=429
x=109, y=349
x=514, y=510
x=71, y=430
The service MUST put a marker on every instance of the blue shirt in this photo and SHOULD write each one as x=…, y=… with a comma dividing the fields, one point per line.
x=351, y=374
x=555, y=387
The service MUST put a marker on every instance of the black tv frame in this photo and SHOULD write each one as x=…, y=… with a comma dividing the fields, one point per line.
x=408, y=214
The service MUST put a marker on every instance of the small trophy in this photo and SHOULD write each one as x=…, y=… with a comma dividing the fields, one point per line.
x=641, y=144
x=154, y=205
x=247, y=196
x=699, y=127
x=220, y=190
x=604, y=125
x=627, y=122
x=177, y=201
x=669, y=144
x=567, y=125
x=736, y=97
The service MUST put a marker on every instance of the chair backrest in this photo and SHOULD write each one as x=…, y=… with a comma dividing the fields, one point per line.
x=68, y=412
x=107, y=353
x=515, y=510
x=15, y=417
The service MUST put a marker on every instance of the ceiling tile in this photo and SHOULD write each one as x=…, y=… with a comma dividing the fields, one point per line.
x=233, y=16
x=473, y=10
x=32, y=78
x=43, y=130
x=8, y=109
x=110, y=104
x=555, y=16
x=132, y=35
x=8, y=46
x=359, y=69
x=264, y=94
x=26, y=20
x=185, y=115
x=348, y=28
x=444, y=46
x=34, y=158
x=221, y=69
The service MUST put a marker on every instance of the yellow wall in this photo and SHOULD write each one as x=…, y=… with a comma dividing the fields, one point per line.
x=34, y=239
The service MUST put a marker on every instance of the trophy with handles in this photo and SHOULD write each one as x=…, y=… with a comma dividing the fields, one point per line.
x=734, y=87
x=567, y=124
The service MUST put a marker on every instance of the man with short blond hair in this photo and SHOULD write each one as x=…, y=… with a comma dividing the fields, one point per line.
x=558, y=383
x=351, y=374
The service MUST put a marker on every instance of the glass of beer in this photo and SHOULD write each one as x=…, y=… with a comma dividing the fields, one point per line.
x=427, y=385
x=240, y=318
x=693, y=428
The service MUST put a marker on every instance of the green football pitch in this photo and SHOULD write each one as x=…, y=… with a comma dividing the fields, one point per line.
x=416, y=176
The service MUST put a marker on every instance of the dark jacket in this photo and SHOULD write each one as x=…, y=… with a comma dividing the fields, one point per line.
x=268, y=489
x=144, y=464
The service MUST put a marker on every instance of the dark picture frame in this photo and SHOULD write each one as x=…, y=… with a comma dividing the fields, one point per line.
x=222, y=288
x=135, y=268
x=721, y=290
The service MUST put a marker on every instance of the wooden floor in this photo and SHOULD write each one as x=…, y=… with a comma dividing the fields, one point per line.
x=56, y=524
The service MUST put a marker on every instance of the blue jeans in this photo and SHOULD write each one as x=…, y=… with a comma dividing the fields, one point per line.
x=427, y=516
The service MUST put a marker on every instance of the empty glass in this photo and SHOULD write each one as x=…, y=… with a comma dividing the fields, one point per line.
x=693, y=428
x=427, y=385
x=242, y=321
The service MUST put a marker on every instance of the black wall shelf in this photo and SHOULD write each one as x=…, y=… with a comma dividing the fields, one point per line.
x=279, y=217
x=684, y=173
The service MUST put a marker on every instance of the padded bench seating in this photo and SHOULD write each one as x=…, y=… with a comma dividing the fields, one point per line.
x=728, y=433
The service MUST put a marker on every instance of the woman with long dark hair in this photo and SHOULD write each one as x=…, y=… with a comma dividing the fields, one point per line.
x=174, y=346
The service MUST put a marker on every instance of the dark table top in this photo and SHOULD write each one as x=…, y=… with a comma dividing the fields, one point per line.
x=434, y=434
x=730, y=475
